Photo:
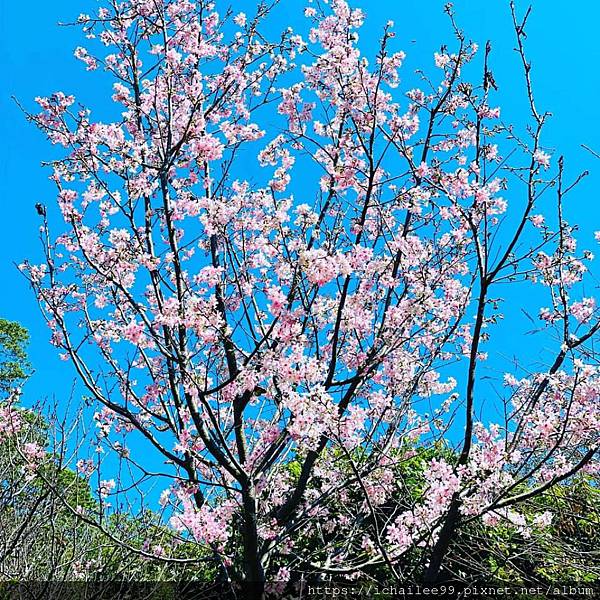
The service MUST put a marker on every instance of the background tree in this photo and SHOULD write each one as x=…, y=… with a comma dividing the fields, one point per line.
x=14, y=366
x=272, y=255
x=52, y=529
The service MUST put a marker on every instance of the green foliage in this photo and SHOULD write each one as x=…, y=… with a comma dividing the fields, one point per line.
x=14, y=366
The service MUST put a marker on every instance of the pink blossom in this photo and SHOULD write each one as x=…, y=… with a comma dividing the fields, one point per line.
x=33, y=452
x=106, y=487
x=583, y=311
x=133, y=332
x=537, y=220
x=240, y=19
x=541, y=158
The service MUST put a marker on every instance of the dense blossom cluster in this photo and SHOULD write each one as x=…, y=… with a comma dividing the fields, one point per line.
x=266, y=287
x=10, y=421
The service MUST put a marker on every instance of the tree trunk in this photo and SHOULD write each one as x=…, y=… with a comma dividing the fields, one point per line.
x=253, y=567
x=440, y=549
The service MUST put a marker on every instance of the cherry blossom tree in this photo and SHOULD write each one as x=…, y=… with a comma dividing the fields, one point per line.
x=280, y=270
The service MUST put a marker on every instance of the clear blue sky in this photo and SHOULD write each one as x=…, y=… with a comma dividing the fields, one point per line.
x=37, y=59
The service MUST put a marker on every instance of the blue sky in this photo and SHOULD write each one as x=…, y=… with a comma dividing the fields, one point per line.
x=37, y=59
